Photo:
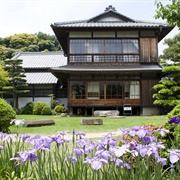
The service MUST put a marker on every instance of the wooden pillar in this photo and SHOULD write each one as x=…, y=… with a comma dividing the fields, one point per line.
x=92, y=111
x=85, y=111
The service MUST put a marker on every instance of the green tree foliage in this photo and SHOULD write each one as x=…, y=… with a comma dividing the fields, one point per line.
x=168, y=88
x=27, y=43
x=19, y=41
x=6, y=114
x=4, y=79
x=169, y=12
x=3, y=52
x=17, y=82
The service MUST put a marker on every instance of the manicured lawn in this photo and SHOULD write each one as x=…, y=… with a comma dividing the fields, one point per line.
x=70, y=123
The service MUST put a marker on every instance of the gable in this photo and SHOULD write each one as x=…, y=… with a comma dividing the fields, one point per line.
x=110, y=15
x=110, y=19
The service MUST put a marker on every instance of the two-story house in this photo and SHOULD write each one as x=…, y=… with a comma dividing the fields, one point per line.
x=112, y=60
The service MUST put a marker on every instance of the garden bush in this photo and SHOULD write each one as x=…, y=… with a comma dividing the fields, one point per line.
x=6, y=114
x=28, y=108
x=174, y=112
x=54, y=103
x=38, y=106
x=46, y=110
x=59, y=109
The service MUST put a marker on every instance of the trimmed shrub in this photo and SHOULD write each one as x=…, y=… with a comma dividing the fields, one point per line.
x=6, y=114
x=174, y=112
x=59, y=109
x=38, y=106
x=46, y=110
x=28, y=108
x=54, y=103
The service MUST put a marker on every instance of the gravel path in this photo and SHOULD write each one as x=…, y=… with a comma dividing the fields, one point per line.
x=92, y=135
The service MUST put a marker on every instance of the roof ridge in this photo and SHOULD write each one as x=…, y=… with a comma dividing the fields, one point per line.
x=35, y=53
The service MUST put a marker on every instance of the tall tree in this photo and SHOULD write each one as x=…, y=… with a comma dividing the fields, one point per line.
x=169, y=12
x=17, y=82
x=168, y=88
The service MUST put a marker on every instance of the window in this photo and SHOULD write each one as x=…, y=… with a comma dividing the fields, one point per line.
x=77, y=47
x=104, y=50
x=110, y=46
x=131, y=90
x=80, y=58
x=114, y=90
x=93, y=90
x=77, y=89
x=96, y=90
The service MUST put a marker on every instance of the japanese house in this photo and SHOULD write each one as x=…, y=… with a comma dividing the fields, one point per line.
x=112, y=61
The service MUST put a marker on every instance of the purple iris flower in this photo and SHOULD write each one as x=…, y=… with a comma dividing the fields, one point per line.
x=58, y=139
x=175, y=120
x=24, y=137
x=163, y=161
x=120, y=151
x=89, y=148
x=133, y=144
x=78, y=152
x=82, y=142
x=119, y=163
x=79, y=133
x=103, y=154
x=143, y=151
x=63, y=133
x=7, y=137
x=42, y=143
x=141, y=133
x=96, y=162
x=106, y=142
x=24, y=156
x=162, y=131
x=33, y=138
x=174, y=155
x=73, y=159
x=146, y=139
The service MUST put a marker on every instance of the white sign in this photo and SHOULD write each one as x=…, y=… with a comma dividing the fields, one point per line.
x=127, y=108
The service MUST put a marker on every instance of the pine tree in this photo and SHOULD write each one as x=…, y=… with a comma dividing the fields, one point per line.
x=17, y=83
x=168, y=88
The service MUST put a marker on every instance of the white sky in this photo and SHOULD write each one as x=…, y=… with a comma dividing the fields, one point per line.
x=32, y=16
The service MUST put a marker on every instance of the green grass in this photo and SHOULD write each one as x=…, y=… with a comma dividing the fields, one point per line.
x=70, y=123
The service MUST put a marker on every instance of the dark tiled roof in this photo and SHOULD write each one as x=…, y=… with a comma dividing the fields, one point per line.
x=139, y=24
x=41, y=59
x=120, y=68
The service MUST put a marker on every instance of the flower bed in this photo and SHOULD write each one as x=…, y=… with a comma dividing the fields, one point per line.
x=139, y=155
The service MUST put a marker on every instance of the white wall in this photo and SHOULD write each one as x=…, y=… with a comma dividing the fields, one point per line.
x=64, y=101
x=22, y=101
x=148, y=111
